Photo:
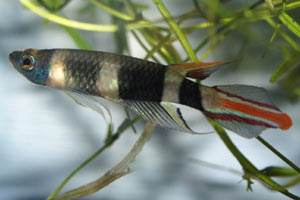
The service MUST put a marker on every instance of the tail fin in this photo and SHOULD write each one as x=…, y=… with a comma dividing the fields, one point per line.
x=245, y=110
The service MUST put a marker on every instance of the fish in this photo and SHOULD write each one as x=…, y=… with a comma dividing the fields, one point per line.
x=152, y=90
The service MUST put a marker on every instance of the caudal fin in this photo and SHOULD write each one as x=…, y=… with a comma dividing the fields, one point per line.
x=245, y=110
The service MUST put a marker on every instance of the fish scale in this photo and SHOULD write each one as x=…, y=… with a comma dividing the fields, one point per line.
x=150, y=89
x=138, y=81
x=84, y=73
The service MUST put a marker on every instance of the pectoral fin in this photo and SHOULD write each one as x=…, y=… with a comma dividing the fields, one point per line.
x=95, y=103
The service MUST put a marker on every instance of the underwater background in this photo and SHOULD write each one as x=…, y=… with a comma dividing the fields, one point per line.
x=44, y=135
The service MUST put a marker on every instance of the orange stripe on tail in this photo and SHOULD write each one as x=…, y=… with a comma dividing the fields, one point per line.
x=281, y=119
x=244, y=109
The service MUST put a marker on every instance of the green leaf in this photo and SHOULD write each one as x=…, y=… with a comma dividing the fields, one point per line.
x=291, y=85
x=248, y=167
x=271, y=40
x=158, y=47
x=174, y=26
x=290, y=23
x=288, y=63
x=77, y=38
x=293, y=182
x=67, y=22
x=297, y=91
x=279, y=171
x=112, y=11
x=270, y=5
x=143, y=45
x=281, y=69
x=53, y=5
x=167, y=51
x=280, y=155
x=283, y=34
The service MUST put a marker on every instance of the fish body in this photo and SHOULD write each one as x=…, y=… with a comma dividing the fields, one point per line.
x=152, y=89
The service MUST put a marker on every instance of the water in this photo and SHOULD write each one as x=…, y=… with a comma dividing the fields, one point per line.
x=44, y=135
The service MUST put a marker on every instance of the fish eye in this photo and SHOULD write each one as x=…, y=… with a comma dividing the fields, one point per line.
x=27, y=62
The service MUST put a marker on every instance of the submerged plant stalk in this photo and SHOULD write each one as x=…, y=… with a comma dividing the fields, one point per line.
x=118, y=171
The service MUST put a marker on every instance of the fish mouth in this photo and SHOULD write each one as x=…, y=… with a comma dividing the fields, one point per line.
x=11, y=58
x=14, y=58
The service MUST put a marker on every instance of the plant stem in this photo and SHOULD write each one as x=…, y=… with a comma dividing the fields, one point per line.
x=67, y=22
x=118, y=171
x=181, y=37
x=110, y=139
x=281, y=156
x=244, y=162
x=143, y=45
x=247, y=165
x=283, y=34
x=82, y=25
x=111, y=11
x=68, y=178
x=157, y=47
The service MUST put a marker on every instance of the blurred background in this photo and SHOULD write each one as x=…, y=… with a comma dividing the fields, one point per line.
x=44, y=135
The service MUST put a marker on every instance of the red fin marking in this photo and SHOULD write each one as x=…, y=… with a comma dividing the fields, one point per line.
x=232, y=117
x=282, y=119
x=197, y=70
x=248, y=100
x=197, y=65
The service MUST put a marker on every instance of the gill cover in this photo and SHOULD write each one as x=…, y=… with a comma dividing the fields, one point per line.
x=33, y=64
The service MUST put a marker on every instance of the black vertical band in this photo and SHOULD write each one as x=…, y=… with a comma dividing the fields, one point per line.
x=140, y=80
x=190, y=94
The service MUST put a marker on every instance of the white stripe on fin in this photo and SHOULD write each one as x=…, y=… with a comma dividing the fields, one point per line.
x=175, y=113
x=252, y=93
x=154, y=112
x=242, y=129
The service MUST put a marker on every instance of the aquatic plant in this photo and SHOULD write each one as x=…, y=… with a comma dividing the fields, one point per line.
x=219, y=21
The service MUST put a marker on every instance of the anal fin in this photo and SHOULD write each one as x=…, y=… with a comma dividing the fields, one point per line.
x=164, y=114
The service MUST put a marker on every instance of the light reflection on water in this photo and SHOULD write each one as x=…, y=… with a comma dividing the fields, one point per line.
x=44, y=135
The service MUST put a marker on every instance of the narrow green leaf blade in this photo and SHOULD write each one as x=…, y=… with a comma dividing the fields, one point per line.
x=112, y=11
x=290, y=23
x=174, y=26
x=271, y=40
x=288, y=63
x=279, y=171
x=279, y=71
x=297, y=91
x=269, y=5
x=77, y=38
x=53, y=6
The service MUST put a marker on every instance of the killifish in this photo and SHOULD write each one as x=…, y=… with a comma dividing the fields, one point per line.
x=150, y=89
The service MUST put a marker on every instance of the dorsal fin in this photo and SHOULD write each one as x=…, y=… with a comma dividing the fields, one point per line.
x=197, y=70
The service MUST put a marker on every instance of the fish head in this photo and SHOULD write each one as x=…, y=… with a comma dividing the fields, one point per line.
x=33, y=64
